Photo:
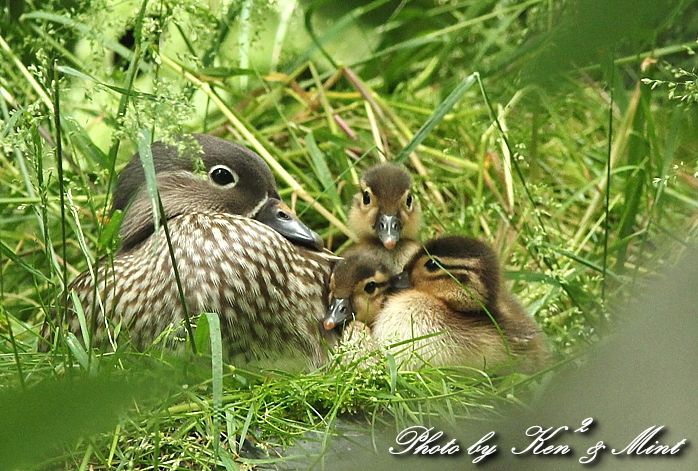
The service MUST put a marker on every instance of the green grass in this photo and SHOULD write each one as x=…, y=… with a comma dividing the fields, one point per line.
x=517, y=154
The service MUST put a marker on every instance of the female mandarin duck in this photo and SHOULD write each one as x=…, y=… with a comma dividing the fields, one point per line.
x=239, y=251
x=452, y=288
x=385, y=216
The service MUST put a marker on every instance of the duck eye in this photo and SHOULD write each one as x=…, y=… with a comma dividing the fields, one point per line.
x=431, y=265
x=283, y=215
x=367, y=197
x=222, y=175
x=408, y=201
x=370, y=287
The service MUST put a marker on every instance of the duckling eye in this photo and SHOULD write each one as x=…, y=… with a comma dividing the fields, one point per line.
x=431, y=265
x=222, y=175
x=367, y=197
x=370, y=287
x=408, y=201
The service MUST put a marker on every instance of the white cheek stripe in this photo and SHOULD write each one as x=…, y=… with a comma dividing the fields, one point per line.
x=254, y=210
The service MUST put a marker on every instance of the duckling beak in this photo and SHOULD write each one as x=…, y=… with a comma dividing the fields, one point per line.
x=338, y=312
x=400, y=281
x=279, y=217
x=388, y=230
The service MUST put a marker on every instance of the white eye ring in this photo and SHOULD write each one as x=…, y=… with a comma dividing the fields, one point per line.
x=223, y=176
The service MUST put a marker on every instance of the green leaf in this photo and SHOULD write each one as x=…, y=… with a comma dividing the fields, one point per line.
x=146, y=155
x=82, y=141
x=214, y=326
x=245, y=427
x=202, y=333
x=523, y=275
x=323, y=172
x=11, y=122
x=392, y=369
x=70, y=71
x=6, y=251
x=77, y=305
x=86, y=359
x=111, y=229
x=436, y=117
x=225, y=72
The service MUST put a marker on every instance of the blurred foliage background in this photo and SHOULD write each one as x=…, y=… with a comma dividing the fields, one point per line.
x=572, y=151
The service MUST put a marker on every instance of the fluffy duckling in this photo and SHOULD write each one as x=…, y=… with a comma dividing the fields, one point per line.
x=452, y=293
x=385, y=216
x=357, y=290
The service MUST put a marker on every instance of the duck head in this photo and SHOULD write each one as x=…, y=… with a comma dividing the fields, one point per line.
x=204, y=174
x=358, y=286
x=462, y=272
x=385, y=209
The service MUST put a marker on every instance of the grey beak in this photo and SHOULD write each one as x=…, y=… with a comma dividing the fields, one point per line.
x=338, y=312
x=388, y=230
x=400, y=281
x=279, y=217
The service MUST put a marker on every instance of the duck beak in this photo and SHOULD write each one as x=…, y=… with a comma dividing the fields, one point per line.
x=388, y=230
x=279, y=217
x=400, y=281
x=338, y=312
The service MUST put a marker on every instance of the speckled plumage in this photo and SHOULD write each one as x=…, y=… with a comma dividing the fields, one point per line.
x=269, y=293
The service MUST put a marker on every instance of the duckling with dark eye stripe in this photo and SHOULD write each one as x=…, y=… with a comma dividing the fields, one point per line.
x=270, y=293
x=385, y=216
x=451, y=291
x=357, y=290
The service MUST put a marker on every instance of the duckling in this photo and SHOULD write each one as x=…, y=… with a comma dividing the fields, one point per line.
x=270, y=293
x=357, y=290
x=385, y=216
x=451, y=291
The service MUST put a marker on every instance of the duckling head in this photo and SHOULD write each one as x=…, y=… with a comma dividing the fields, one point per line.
x=460, y=271
x=204, y=174
x=358, y=286
x=385, y=208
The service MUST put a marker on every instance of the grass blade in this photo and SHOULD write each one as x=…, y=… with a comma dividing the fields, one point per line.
x=441, y=110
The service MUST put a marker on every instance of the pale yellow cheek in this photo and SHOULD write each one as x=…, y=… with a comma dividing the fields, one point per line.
x=360, y=305
x=472, y=297
x=432, y=283
x=365, y=306
x=411, y=222
x=374, y=308
x=464, y=302
x=361, y=220
x=460, y=298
